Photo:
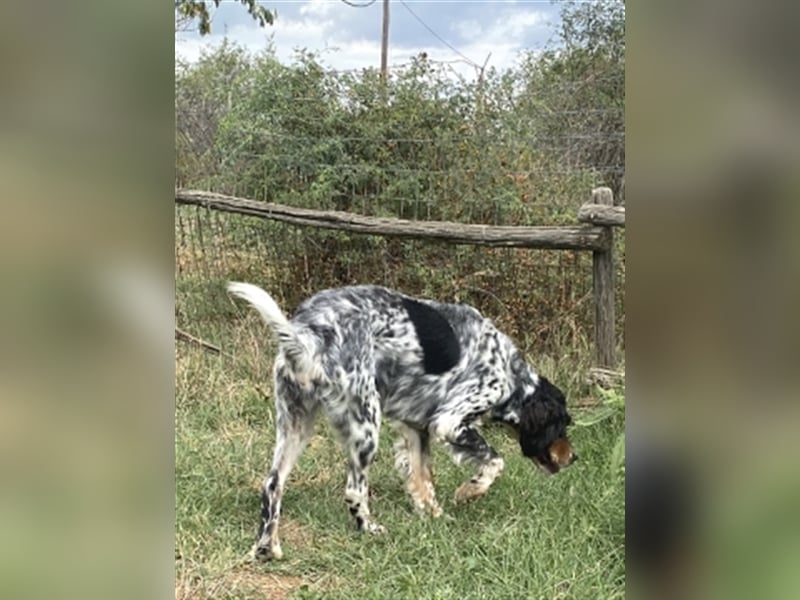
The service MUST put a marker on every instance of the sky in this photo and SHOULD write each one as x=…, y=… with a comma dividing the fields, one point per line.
x=468, y=33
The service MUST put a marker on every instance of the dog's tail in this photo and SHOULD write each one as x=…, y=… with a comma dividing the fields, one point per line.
x=295, y=347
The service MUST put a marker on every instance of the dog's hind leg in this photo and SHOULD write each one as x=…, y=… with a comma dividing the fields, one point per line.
x=358, y=429
x=294, y=426
x=413, y=460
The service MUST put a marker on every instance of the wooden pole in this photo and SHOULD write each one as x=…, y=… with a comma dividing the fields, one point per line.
x=603, y=288
x=385, y=42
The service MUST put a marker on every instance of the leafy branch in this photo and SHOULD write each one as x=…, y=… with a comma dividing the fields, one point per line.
x=186, y=11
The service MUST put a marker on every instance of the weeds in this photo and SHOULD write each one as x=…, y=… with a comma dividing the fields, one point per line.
x=531, y=536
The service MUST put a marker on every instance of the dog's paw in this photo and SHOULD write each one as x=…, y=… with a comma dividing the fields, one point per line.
x=469, y=491
x=429, y=511
x=265, y=553
x=427, y=508
x=374, y=528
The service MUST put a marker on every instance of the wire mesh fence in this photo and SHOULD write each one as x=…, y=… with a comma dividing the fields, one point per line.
x=506, y=148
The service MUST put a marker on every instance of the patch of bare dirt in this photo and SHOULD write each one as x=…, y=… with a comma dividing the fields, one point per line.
x=270, y=586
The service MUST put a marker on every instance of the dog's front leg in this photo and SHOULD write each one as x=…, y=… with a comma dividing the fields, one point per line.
x=467, y=445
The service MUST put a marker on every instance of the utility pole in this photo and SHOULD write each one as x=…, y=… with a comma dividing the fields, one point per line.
x=385, y=41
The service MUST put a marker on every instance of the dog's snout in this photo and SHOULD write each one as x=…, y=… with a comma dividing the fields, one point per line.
x=562, y=454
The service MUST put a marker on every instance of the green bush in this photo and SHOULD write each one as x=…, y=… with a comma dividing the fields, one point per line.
x=523, y=146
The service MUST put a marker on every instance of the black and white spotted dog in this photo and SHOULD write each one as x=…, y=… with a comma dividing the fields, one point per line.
x=366, y=352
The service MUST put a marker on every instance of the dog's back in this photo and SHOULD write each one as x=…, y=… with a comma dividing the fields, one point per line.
x=393, y=323
x=414, y=349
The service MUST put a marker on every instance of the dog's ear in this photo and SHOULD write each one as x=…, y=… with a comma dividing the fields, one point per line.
x=543, y=419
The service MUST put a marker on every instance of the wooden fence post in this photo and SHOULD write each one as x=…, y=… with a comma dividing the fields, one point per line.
x=603, y=288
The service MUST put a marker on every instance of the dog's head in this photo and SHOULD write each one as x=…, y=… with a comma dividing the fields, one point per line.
x=542, y=428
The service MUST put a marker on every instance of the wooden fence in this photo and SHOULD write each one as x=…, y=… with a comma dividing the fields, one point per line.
x=593, y=233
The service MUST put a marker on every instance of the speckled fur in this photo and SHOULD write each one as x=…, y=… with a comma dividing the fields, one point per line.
x=366, y=352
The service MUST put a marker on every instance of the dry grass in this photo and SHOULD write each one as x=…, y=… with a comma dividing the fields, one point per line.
x=530, y=537
x=265, y=585
x=246, y=582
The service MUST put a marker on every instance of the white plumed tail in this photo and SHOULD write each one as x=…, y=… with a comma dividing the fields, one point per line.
x=267, y=308
x=295, y=348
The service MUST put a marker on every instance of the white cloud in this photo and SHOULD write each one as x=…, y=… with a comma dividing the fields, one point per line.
x=319, y=8
x=323, y=26
x=187, y=49
x=512, y=26
x=467, y=30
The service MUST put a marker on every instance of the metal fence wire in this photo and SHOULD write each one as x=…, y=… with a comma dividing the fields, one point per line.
x=427, y=146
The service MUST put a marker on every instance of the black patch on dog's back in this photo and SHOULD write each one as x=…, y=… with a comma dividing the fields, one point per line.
x=440, y=348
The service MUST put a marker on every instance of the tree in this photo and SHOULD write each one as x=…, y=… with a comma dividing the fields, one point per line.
x=188, y=10
x=577, y=90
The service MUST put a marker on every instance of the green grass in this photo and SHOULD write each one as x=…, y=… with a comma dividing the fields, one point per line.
x=531, y=537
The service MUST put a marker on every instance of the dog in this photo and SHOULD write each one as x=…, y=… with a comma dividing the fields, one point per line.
x=435, y=370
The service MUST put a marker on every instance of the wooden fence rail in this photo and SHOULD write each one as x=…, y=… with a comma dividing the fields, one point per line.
x=594, y=235
x=575, y=237
x=600, y=214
